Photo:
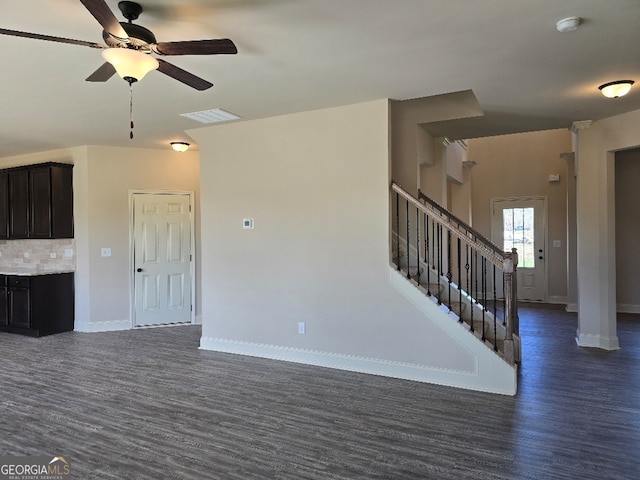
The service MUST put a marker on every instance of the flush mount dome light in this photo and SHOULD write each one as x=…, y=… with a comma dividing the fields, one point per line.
x=130, y=64
x=616, y=89
x=180, y=146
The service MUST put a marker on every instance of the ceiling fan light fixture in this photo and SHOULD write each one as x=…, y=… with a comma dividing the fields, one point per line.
x=180, y=146
x=131, y=65
x=616, y=89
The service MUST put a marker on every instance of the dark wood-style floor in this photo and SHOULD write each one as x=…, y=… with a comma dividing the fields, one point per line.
x=147, y=404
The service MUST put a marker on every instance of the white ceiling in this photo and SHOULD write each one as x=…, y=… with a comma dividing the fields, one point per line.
x=297, y=55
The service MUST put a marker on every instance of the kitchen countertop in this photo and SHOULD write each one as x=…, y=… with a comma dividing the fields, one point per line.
x=30, y=272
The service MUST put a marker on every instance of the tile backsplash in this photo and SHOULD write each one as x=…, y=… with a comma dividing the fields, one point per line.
x=58, y=254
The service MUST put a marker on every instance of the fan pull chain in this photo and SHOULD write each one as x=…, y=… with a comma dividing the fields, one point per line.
x=131, y=109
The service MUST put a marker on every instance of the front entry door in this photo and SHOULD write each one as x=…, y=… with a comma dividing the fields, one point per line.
x=162, y=259
x=521, y=223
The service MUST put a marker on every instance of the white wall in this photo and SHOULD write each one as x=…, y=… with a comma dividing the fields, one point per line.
x=317, y=185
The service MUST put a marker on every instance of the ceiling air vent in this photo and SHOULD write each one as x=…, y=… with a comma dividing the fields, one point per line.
x=211, y=116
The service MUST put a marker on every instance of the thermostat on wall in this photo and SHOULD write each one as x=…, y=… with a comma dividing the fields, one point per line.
x=247, y=223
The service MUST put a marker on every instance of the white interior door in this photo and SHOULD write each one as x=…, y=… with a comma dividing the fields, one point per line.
x=162, y=259
x=521, y=224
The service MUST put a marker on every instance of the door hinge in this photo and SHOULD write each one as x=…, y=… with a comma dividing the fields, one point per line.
x=190, y=258
x=192, y=308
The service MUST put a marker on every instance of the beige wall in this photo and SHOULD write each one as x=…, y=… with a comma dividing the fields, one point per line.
x=627, y=174
x=596, y=256
x=103, y=177
x=317, y=185
x=410, y=141
x=519, y=165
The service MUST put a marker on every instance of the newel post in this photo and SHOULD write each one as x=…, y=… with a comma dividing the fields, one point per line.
x=511, y=308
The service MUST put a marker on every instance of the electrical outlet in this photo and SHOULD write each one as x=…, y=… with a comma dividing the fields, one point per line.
x=106, y=252
x=52, y=255
x=68, y=252
x=27, y=254
x=301, y=328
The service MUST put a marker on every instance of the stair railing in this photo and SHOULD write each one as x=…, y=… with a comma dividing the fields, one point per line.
x=462, y=265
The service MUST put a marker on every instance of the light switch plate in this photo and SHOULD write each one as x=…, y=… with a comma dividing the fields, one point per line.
x=247, y=223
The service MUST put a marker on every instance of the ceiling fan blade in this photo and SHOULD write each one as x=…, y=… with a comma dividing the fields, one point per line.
x=102, y=74
x=38, y=36
x=196, y=47
x=105, y=17
x=183, y=76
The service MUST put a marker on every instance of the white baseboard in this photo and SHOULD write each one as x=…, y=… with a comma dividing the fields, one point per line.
x=556, y=299
x=627, y=308
x=620, y=308
x=109, y=326
x=386, y=368
x=597, y=341
x=572, y=307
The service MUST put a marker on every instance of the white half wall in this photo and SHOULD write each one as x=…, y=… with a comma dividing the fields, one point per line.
x=316, y=185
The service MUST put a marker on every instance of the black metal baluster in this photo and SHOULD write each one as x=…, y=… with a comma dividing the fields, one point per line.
x=484, y=294
x=449, y=274
x=495, y=312
x=467, y=266
x=426, y=254
x=459, y=280
x=418, y=245
x=439, y=229
x=398, y=230
x=474, y=279
x=408, y=261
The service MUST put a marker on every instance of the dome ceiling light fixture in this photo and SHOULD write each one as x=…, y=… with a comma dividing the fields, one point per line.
x=616, y=89
x=569, y=24
x=180, y=146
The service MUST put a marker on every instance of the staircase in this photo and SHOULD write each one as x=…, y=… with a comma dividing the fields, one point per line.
x=459, y=269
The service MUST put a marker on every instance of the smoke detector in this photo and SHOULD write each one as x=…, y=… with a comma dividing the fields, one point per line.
x=568, y=24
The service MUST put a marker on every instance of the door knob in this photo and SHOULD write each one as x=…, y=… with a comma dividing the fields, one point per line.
x=138, y=270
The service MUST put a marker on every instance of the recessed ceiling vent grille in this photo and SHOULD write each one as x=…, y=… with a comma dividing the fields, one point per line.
x=211, y=116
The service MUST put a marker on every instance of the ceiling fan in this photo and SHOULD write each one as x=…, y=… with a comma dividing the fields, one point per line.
x=129, y=45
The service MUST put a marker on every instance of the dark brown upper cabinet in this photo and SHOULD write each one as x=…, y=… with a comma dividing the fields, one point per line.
x=4, y=205
x=39, y=201
x=19, y=203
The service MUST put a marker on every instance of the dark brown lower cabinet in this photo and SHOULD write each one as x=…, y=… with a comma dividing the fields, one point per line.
x=37, y=305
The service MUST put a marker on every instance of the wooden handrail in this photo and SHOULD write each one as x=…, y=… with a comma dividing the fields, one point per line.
x=505, y=261
x=501, y=259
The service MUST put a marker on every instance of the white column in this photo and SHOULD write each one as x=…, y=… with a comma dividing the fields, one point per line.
x=572, y=277
x=595, y=219
x=433, y=178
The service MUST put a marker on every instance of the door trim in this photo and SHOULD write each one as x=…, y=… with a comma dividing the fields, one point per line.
x=545, y=222
x=132, y=195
